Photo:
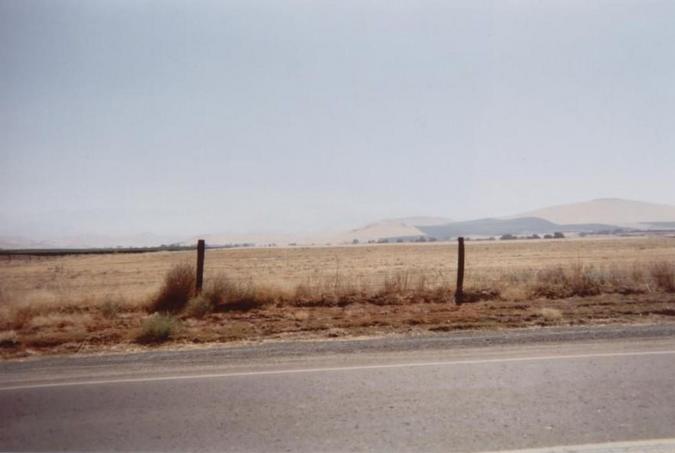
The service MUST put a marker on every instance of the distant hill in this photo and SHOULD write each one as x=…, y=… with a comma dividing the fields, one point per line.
x=379, y=230
x=418, y=221
x=497, y=227
x=613, y=211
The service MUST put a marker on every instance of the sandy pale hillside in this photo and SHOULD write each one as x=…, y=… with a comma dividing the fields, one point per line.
x=611, y=211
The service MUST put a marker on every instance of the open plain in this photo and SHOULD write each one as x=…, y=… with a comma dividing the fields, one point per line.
x=101, y=302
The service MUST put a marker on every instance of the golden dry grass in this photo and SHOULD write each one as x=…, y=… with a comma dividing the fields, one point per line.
x=102, y=300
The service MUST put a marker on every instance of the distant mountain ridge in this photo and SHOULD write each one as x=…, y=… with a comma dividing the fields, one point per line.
x=605, y=214
x=614, y=211
x=517, y=226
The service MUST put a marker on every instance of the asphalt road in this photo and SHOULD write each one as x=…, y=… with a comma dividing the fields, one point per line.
x=610, y=389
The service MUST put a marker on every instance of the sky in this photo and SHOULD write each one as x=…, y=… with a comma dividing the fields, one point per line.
x=181, y=118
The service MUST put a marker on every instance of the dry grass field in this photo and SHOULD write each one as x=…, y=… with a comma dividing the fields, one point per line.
x=93, y=302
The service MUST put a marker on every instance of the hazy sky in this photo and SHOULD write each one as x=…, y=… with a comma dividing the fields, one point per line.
x=195, y=117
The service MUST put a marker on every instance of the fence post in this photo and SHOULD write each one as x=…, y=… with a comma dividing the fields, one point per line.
x=200, y=266
x=459, y=292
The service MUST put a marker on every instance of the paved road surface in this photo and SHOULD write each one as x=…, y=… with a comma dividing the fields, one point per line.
x=610, y=389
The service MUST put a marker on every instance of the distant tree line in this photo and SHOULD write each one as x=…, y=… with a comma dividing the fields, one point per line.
x=511, y=237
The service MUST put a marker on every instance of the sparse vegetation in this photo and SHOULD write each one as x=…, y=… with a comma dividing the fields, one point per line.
x=663, y=274
x=111, y=307
x=53, y=304
x=157, y=328
x=198, y=307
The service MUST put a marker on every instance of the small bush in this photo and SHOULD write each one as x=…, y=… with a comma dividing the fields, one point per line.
x=663, y=274
x=157, y=329
x=246, y=296
x=585, y=281
x=216, y=290
x=110, y=308
x=551, y=283
x=198, y=307
x=557, y=282
x=226, y=295
x=178, y=289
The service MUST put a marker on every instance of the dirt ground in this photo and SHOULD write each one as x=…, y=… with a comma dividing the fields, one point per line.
x=65, y=334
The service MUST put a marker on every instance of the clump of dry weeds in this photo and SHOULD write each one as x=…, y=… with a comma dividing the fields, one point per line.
x=177, y=290
x=663, y=275
x=242, y=295
x=157, y=328
x=111, y=307
x=198, y=307
x=585, y=280
x=558, y=282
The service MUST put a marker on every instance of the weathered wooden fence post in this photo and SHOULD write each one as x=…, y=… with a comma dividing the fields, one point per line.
x=201, y=246
x=459, y=292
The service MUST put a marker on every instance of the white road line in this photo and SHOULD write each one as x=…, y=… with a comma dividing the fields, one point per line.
x=345, y=368
x=638, y=446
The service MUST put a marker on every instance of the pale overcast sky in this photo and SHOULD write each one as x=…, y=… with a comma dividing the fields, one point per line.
x=196, y=117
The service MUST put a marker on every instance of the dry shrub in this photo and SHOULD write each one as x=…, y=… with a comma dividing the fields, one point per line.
x=248, y=296
x=198, y=307
x=480, y=294
x=111, y=307
x=551, y=283
x=330, y=291
x=178, y=289
x=663, y=275
x=625, y=280
x=585, y=281
x=157, y=328
x=226, y=295
x=217, y=289
x=441, y=294
x=399, y=282
x=514, y=293
x=304, y=292
x=557, y=282
x=637, y=274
